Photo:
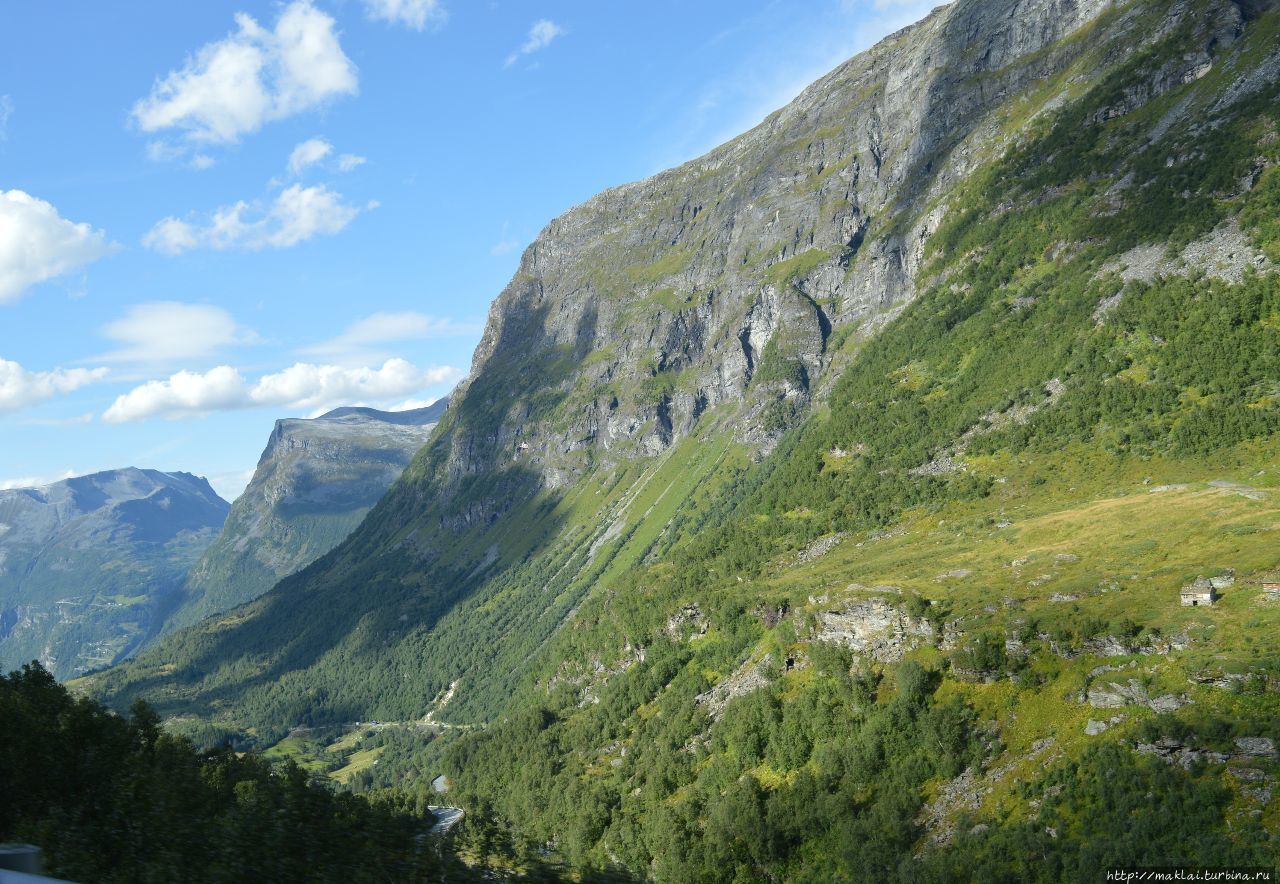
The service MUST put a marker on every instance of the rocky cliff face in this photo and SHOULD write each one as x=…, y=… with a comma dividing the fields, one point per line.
x=315, y=481
x=734, y=277
x=90, y=566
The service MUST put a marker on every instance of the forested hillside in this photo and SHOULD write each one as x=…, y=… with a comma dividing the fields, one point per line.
x=115, y=799
x=819, y=510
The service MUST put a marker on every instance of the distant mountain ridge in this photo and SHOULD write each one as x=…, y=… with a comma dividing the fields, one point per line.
x=429, y=414
x=315, y=481
x=90, y=566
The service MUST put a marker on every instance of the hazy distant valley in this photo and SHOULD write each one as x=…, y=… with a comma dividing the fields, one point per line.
x=92, y=569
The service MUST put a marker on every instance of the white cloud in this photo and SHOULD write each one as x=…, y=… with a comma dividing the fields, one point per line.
x=166, y=331
x=36, y=243
x=506, y=244
x=6, y=111
x=316, y=150
x=385, y=328
x=184, y=393
x=20, y=388
x=349, y=161
x=202, y=161
x=231, y=87
x=308, y=153
x=413, y=404
x=298, y=213
x=315, y=386
x=172, y=236
x=416, y=14
x=301, y=386
x=539, y=38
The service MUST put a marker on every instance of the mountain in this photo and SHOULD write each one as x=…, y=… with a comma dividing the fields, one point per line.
x=819, y=509
x=315, y=481
x=90, y=566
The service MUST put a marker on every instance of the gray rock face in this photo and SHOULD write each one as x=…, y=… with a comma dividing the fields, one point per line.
x=686, y=624
x=1175, y=752
x=1225, y=254
x=314, y=483
x=720, y=281
x=90, y=566
x=750, y=676
x=1093, y=727
x=1171, y=751
x=1115, y=695
x=874, y=628
x=1259, y=747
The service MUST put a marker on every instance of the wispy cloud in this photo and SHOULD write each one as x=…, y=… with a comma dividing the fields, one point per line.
x=169, y=331
x=349, y=161
x=301, y=386
x=361, y=340
x=540, y=36
x=296, y=214
x=36, y=243
x=314, y=151
x=417, y=14
x=232, y=87
x=86, y=418
x=34, y=481
x=507, y=243
x=6, y=111
x=308, y=153
x=730, y=105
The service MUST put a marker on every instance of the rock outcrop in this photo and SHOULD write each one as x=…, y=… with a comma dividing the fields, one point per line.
x=1114, y=695
x=875, y=629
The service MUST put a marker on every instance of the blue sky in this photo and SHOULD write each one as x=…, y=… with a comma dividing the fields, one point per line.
x=217, y=214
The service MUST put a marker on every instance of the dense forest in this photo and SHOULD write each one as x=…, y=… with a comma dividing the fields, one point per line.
x=113, y=798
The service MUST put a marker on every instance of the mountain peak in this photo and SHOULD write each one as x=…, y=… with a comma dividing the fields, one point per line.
x=429, y=414
x=89, y=564
x=315, y=481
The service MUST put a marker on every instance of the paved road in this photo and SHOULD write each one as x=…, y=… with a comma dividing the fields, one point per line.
x=446, y=818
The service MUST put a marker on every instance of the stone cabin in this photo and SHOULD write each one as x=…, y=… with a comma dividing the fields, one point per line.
x=1271, y=589
x=1199, y=594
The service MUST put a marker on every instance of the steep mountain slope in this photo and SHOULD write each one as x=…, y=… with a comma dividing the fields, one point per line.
x=314, y=483
x=90, y=566
x=804, y=502
x=711, y=296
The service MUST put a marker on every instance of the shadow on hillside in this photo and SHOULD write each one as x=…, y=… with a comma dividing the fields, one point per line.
x=321, y=645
